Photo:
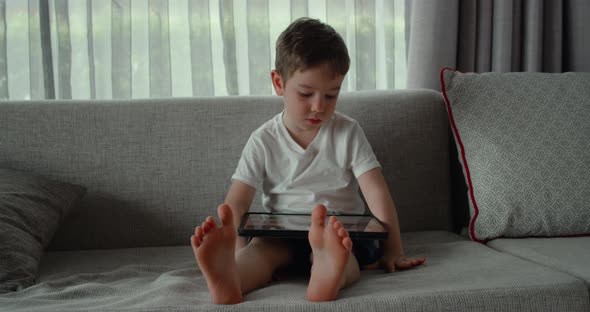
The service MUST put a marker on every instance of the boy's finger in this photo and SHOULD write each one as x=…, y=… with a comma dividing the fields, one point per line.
x=408, y=263
x=373, y=266
x=404, y=264
x=390, y=267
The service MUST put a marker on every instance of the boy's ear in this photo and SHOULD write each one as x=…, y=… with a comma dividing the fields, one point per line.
x=277, y=82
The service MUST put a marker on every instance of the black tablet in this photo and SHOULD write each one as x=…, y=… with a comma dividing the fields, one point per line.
x=297, y=225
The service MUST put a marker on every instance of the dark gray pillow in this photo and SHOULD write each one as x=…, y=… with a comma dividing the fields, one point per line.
x=31, y=208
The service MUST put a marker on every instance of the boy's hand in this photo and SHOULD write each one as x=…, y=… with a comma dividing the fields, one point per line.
x=392, y=263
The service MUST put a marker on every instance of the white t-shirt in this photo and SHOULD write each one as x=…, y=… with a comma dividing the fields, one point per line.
x=294, y=180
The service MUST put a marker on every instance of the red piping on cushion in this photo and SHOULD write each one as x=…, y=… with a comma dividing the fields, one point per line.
x=545, y=236
x=458, y=138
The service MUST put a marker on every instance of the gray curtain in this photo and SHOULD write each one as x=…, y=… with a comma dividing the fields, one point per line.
x=496, y=35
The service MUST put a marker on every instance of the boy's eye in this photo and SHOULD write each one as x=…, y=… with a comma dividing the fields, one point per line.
x=327, y=96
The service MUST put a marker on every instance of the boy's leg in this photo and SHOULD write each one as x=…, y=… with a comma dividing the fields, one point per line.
x=229, y=275
x=258, y=260
x=331, y=249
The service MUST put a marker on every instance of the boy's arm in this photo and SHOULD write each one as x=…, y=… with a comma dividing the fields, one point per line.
x=239, y=198
x=380, y=202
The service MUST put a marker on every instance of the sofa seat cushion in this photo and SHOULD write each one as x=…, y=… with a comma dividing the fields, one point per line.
x=567, y=254
x=459, y=275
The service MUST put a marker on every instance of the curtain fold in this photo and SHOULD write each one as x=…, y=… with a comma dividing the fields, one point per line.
x=159, y=52
x=4, y=93
x=499, y=35
x=35, y=55
x=365, y=59
x=259, y=46
x=576, y=34
x=101, y=49
x=90, y=49
x=121, y=56
x=64, y=49
x=553, y=36
x=200, y=47
x=433, y=41
x=228, y=34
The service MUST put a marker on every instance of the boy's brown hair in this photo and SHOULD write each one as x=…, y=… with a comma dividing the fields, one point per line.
x=308, y=42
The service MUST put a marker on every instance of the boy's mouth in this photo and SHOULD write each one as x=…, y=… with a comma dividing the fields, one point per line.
x=314, y=121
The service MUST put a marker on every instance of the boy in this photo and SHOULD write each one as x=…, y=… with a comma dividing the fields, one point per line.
x=307, y=156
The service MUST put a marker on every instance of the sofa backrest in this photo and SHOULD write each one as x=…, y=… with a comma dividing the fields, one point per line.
x=154, y=169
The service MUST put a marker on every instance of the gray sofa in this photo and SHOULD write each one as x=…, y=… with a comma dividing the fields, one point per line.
x=154, y=169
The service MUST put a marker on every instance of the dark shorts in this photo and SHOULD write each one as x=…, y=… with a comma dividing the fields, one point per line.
x=365, y=251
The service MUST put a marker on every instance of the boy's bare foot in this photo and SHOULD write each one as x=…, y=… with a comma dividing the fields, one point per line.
x=214, y=249
x=331, y=248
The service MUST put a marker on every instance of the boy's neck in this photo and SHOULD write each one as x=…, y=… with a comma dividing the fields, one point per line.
x=302, y=138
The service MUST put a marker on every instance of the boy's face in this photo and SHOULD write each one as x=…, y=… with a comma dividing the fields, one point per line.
x=310, y=97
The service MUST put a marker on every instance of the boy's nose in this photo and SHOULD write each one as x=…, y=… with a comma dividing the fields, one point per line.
x=318, y=104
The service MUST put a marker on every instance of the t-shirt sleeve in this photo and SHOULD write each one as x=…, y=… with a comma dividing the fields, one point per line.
x=362, y=157
x=250, y=169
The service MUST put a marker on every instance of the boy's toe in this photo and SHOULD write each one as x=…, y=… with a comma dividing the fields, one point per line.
x=195, y=241
x=347, y=243
x=318, y=215
x=207, y=226
x=225, y=214
x=199, y=232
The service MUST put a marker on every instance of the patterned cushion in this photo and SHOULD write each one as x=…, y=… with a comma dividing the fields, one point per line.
x=524, y=144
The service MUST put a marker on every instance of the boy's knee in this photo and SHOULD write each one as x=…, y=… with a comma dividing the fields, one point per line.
x=264, y=243
x=272, y=248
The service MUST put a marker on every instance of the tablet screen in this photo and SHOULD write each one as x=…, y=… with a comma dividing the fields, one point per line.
x=297, y=225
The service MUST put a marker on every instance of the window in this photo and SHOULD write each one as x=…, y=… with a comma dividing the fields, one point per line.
x=98, y=49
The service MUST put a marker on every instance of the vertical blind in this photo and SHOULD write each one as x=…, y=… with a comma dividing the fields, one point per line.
x=101, y=49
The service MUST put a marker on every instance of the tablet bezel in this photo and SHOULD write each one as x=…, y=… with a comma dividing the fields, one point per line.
x=302, y=233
